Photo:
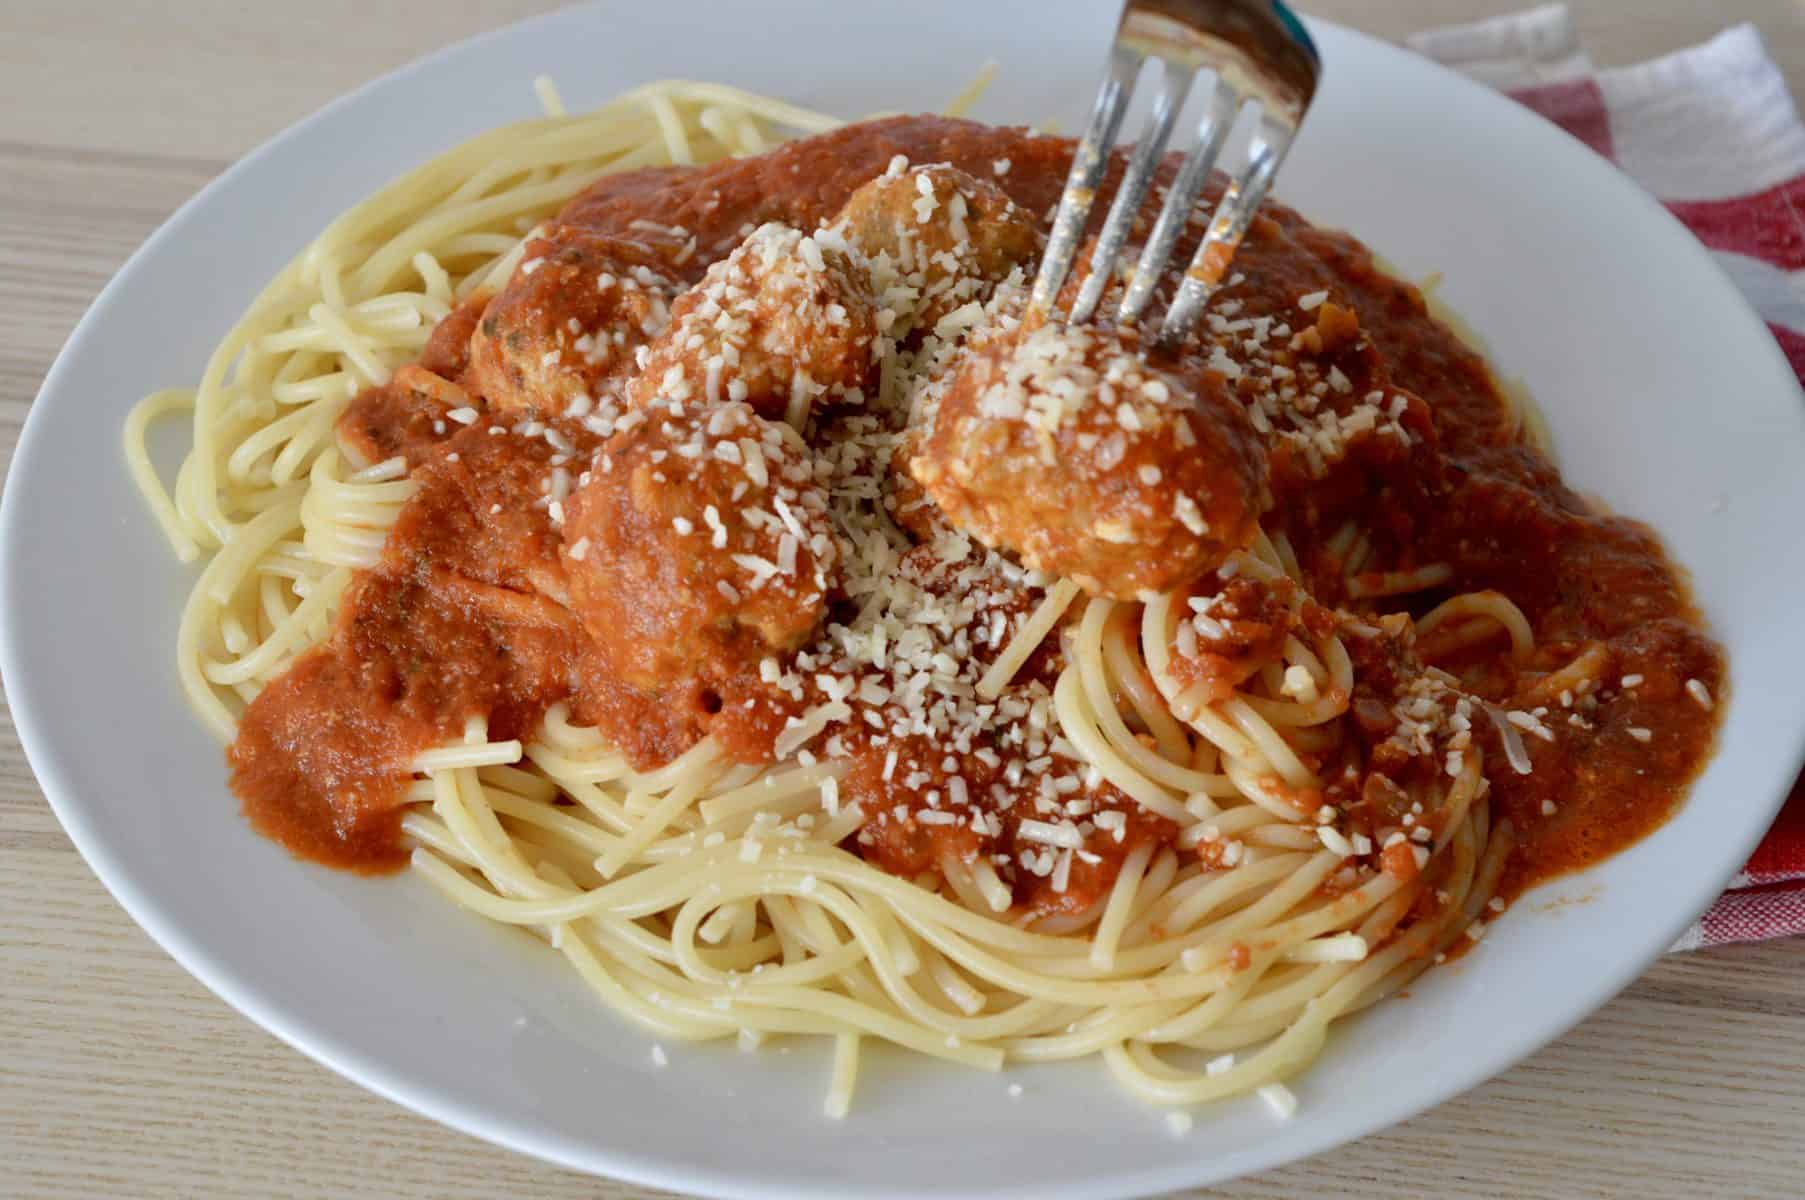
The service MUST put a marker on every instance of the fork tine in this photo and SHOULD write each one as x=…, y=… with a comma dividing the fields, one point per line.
x=1127, y=204
x=1088, y=163
x=1228, y=226
x=1212, y=133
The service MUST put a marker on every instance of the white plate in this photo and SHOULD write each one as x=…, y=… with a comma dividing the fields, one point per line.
x=1666, y=397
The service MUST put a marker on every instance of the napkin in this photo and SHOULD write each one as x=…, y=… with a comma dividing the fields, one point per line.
x=1713, y=133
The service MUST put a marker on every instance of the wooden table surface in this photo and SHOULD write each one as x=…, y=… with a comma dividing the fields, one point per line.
x=121, y=1076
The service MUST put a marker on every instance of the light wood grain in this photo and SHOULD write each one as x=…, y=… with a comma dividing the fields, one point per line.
x=121, y=1076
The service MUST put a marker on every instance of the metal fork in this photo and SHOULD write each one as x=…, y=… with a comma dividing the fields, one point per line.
x=1259, y=53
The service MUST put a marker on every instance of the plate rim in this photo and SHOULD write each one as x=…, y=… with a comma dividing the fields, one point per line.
x=624, y=1162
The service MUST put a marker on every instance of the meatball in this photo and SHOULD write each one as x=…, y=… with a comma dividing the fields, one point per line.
x=941, y=236
x=1068, y=447
x=698, y=544
x=566, y=325
x=780, y=323
x=1336, y=429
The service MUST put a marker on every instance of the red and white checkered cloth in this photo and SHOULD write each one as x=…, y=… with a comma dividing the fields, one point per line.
x=1714, y=134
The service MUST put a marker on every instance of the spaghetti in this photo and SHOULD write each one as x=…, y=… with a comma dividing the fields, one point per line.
x=996, y=817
